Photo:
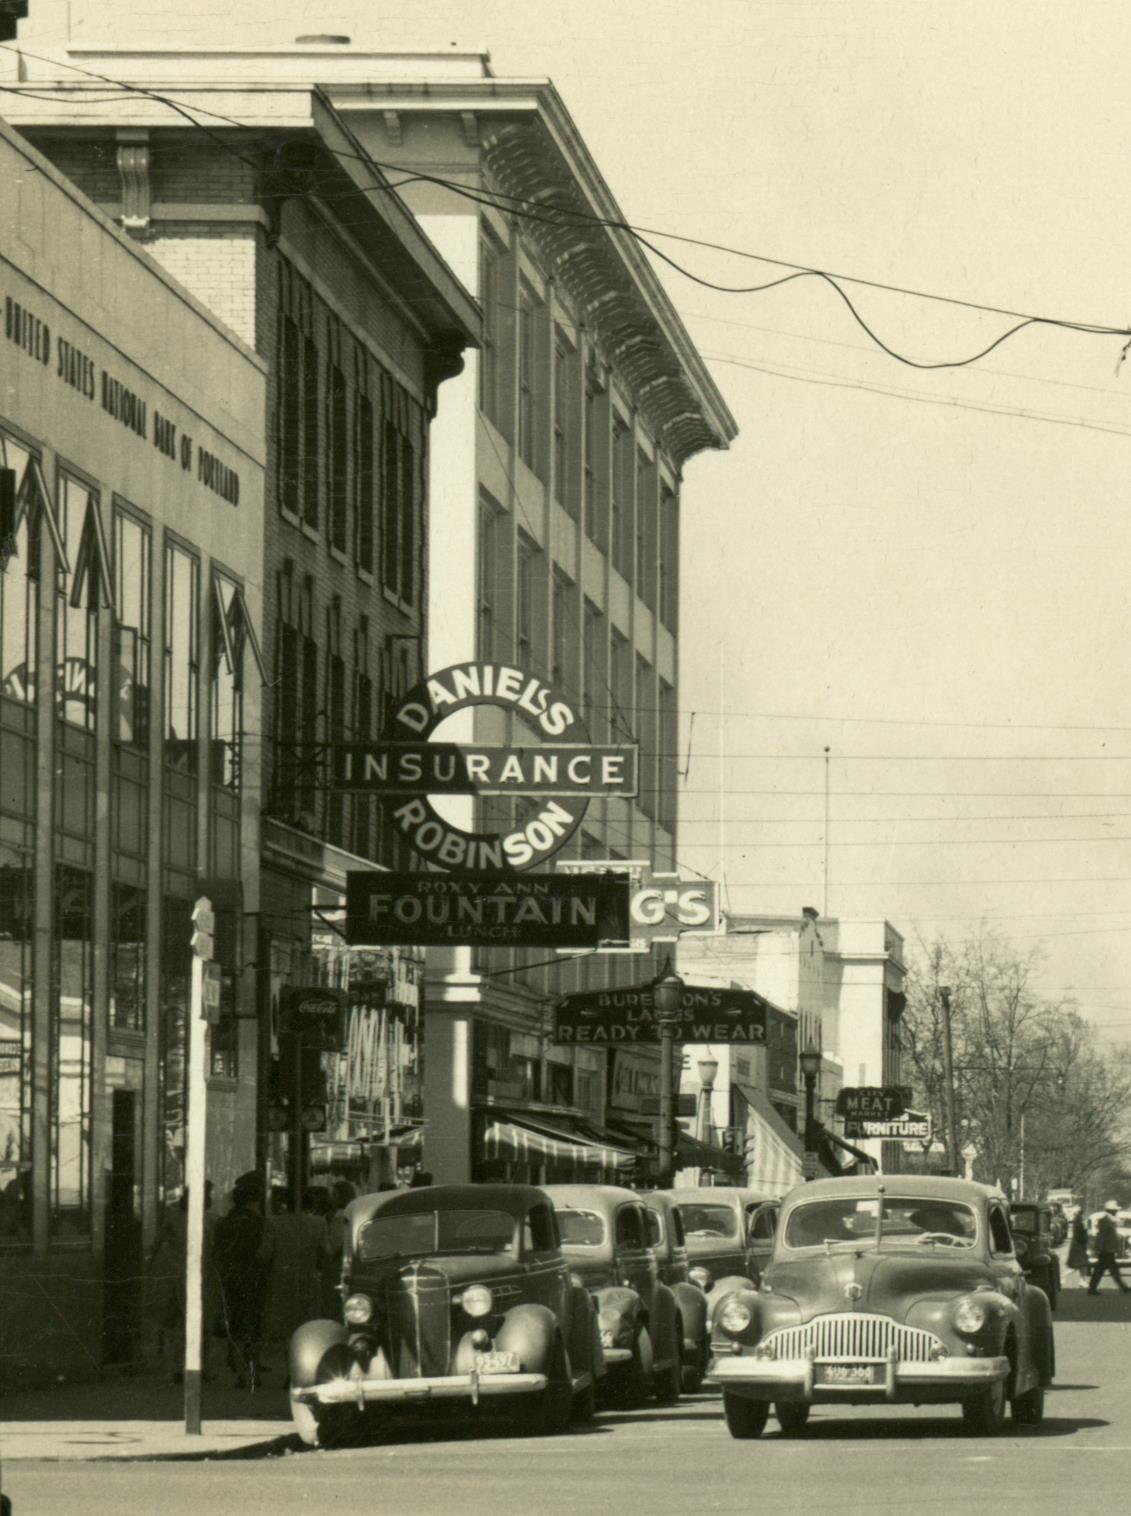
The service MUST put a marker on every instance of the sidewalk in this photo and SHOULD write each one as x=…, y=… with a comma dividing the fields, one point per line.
x=140, y=1417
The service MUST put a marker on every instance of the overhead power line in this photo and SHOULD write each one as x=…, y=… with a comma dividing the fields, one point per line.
x=551, y=213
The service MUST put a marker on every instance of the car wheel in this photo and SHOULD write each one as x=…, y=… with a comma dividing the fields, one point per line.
x=745, y=1418
x=693, y=1372
x=630, y=1385
x=548, y=1412
x=339, y=1426
x=984, y=1413
x=793, y=1416
x=667, y=1384
x=585, y=1404
x=1029, y=1409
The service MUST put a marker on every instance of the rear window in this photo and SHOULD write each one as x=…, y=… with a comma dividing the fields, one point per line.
x=428, y=1232
x=1024, y=1222
x=580, y=1229
x=708, y=1221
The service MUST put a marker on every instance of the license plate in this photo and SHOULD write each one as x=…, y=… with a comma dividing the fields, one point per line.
x=496, y=1363
x=849, y=1373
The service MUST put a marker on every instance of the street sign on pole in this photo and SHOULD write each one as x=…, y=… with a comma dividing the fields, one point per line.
x=197, y=1121
x=210, y=1008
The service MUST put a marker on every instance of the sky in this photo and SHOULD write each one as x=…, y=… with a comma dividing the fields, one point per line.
x=921, y=570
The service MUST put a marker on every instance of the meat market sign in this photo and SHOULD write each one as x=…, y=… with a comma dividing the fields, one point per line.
x=565, y=770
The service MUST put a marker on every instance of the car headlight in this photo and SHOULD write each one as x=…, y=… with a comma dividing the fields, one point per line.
x=701, y=1277
x=358, y=1309
x=970, y=1316
x=734, y=1315
x=476, y=1300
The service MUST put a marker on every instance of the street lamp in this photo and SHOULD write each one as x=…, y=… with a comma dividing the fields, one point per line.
x=810, y=1060
x=667, y=998
x=708, y=1069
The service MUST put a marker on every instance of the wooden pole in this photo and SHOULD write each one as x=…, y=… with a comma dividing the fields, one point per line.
x=195, y=1153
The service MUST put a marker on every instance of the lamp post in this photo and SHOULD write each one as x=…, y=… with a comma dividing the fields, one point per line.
x=667, y=997
x=810, y=1068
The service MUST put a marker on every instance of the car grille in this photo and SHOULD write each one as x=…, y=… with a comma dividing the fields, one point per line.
x=418, y=1313
x=853, y=1336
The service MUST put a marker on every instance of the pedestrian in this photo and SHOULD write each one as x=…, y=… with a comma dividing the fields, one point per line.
x=300, y=1242
x=1107, y=1246
x=342, y=1192
x=1078, y=1249
x=243, y=1262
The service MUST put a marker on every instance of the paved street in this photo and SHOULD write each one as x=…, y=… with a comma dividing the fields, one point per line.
x=673, y=1461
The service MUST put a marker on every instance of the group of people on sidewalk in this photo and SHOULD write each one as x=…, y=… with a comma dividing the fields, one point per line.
x=263, y=1275
x=1108, y=1247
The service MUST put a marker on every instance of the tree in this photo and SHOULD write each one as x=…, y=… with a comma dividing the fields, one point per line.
x=1035, y=1097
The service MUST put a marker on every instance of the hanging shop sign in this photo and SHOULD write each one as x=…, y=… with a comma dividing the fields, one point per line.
x=911, y=1126
x=564, y=770
x=706, y=1014
x=662, y=907
x=316, y=1015
x=873, y=1102
x=484, y=909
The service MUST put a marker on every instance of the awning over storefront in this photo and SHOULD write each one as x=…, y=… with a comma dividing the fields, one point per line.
x=690, y=1153
x=776, y=1162
x=524, y=1140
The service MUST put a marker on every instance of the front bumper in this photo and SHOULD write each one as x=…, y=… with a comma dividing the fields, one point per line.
x=470, y=1387
x=897, y=1379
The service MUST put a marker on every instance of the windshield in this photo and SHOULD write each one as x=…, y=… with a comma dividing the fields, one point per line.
x=580, y=1229
x=1024, y=1222
x=428, y=1232
x=942, y=1223
x=709, y=1221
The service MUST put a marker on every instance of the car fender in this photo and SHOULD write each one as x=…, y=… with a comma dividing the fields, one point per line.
x=618, y=1301
x=1038, y=1344
x=692, y=1306
x=319, y=1350
x=529, y=1330
x=583, y=1333
x=661, y=1323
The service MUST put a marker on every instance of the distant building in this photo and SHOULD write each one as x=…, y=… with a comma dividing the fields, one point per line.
x=132, y=464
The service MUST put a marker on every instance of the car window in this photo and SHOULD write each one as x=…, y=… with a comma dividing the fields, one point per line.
x=629, y=1230
x=762, y=1227
x=538, y=1235
x=580, y=1229
x=904, y=1221
x=653, y=1227
x=427, y=1232
x=1000, y=1240
x=1025, y=1222
x=709, y=1221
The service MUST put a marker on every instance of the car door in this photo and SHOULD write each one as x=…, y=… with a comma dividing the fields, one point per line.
x=634, y=1263
x=1008, y=1278
x=547, y=1276
x=763, y=1226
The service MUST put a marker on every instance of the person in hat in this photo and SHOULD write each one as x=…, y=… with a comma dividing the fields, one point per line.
x=1107, y=1246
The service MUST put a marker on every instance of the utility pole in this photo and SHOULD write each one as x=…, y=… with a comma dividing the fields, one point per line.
x=948, y=1065
x=204, y=990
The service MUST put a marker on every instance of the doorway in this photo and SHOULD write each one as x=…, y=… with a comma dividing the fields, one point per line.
x=122, y=1259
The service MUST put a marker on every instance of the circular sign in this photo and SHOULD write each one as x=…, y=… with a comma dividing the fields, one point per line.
x=313, y=1118
x=554, y=819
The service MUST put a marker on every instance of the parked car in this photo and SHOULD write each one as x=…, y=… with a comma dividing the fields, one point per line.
x=886, y=1289
x=1031, y=1224
x=604, y=1232
x=716, y=1223
x=665, y=1237
x=451, y=1293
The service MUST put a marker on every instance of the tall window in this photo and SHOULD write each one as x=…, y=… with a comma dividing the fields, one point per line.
x=335, y=715
x=364, y=711
x=596, y=438
x=646, y=529
x=76, y=636
x=620, y=500
x=19, y=573
x=132, y=571
x=72, y=1014
x=668, y=766
x=563, y=654
x=524, y=603
x=595, y=696
x=296, y=413
x=564, y=491
x=646, y=729
x=127, y=957
x=490, y=261
x=16, y=920
x=229, y=639
x=182, y=657
x=337, y=449
x=364, y=477
x=529, y=320
x=669, y=558
x=400, y=495
x=620, y=683
x=487, y=579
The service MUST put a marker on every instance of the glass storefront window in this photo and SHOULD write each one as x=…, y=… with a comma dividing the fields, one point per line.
x=76, y=646
x=182, y=645
x=16, y=909
x=176, y=954
x=19, y=582
x=132, y=569
x=127, y=958
x=71, y=1044
x=228, y=644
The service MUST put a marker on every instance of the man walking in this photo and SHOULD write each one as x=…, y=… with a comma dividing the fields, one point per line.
x=1107, y=1245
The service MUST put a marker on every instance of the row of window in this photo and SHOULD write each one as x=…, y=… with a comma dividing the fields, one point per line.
x=348, y=438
